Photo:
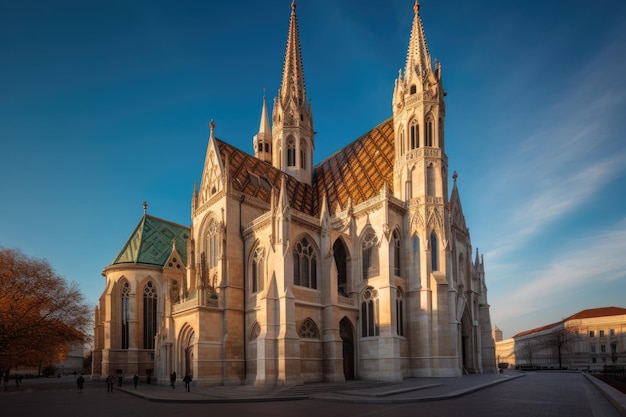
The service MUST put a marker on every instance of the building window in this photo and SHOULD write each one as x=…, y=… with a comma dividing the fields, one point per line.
x=302, y=155
x=304, y=264
x=308, y=330
x=440, y=127
x=601, y=333
x=429, y=133
x=434, y=252
x=369, y=313
x=341, y=262
x=430, y=180
x=291, y=153
x=125, y=314
x=149, y=315
x=613, y=348
x=414, y=133
x=612, y=332
x=397, y=249
x=401, y=140
x=416, y=254
x=603, y=348
x=592, y=333
x=370, y=255
x=412, y=89
x=258, y=270
x=212, y=243
x=593, y=348
x=399, y=312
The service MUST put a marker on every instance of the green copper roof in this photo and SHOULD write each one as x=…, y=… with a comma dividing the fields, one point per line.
x=151, y=242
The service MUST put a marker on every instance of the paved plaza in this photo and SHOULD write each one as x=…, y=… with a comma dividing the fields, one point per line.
x=519, y=394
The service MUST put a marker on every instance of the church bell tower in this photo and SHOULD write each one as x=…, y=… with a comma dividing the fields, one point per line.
x=292, y=117
x=421, y=165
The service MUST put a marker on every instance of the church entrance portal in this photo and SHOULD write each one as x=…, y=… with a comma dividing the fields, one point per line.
x=347, y=338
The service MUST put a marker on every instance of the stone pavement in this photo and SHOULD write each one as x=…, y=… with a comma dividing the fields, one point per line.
x=410, y=390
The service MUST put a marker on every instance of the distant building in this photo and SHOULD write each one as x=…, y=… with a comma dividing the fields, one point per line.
x=359, y=267
x=589, y=339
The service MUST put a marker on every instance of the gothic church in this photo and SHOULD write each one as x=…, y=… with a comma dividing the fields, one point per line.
x=357, y=268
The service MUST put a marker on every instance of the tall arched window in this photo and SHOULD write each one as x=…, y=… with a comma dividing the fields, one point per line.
x=430, y=180
x=341, y=262
x=429, y=132
x=416, y=254
x=212, y=244
x=370, y=254
x=302, y=155
x=291, y=153
x=397, y=251
x=399, y=312
x=414, y=133
x=304, y=264
x=125, y=301
x=401, y=140
x=434, y=252
x=440, y=130
x=149, y=315
x=369, y=313
x=258, y=267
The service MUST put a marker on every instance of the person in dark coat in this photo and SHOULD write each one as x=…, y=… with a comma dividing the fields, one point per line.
x=173, y=379
x=136, y=379
x=80, y=381
x=187, y=380
x=110, y=382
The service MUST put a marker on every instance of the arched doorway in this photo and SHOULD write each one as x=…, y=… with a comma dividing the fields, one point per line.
x=187, y=339
x=346, y=332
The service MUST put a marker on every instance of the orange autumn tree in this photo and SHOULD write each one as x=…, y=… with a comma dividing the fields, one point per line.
x=41, y=316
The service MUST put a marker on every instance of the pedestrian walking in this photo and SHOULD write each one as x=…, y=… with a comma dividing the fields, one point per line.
x=173, y=379
x=110, y=383
x=187, y=380
x=80, y=381
x=136, y=379
x=120, y=379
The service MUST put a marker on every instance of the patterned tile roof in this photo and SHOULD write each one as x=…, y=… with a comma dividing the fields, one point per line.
x=151, y=242
x=358, y=171
x=256, y=178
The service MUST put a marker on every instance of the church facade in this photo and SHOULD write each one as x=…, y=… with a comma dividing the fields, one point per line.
x=359, y=267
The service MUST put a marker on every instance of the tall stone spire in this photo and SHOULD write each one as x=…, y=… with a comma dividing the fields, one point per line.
x=263, y=139
x=292, y=117
x=292, y=86
x=417, y=59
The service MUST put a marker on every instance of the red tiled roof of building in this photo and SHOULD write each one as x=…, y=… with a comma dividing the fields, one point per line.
x=584, y=314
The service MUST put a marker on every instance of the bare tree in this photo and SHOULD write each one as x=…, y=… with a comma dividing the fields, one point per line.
x=527, y=351
x=560, y=341
x=41, y=316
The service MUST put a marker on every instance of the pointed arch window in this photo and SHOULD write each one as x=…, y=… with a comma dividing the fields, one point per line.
x=149, y=315
x=416, y=254
x=401, y=140
x=429, y=132
x=212, y=244
x=341, y=262
x=430, y=180
x=305, y=264
x=125, y=302
x=434, y=252
x=291, y=152
x=369, y=313
x=399, y=312
x=414, y=134
x=308, y=330
x=397, y=253
x=370, y=255
x=303, y=155
x=258, y=268
x=440, y=130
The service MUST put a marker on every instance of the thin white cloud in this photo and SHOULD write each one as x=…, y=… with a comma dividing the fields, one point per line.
x=592, y=261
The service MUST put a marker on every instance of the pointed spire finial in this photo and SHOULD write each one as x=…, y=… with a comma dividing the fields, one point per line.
x=416, y=6
x=145, y=207
x=455, y=176
x=293, y=5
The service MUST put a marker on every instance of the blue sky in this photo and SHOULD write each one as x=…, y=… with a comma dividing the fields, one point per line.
x=106, y=104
